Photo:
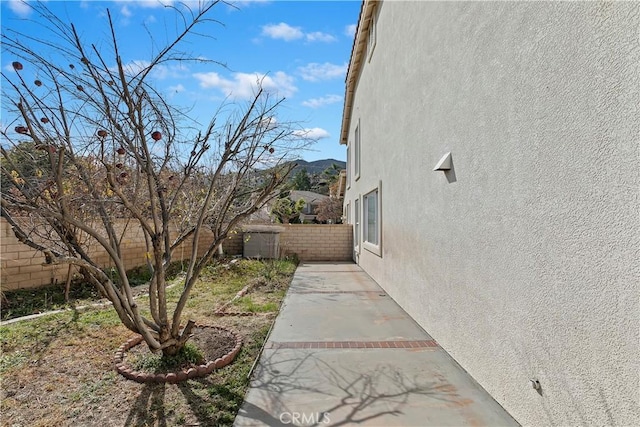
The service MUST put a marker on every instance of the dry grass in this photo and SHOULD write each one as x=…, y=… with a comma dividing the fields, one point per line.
x=57, y=370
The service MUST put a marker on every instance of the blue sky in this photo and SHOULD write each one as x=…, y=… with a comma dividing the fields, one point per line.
x=303, y=48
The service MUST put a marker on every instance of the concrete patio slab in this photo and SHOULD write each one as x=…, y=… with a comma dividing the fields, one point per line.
x=336, y=281
x=374, y=387
x=331, y=317
x=342, y=352
x=343, y=277
x=309, y=267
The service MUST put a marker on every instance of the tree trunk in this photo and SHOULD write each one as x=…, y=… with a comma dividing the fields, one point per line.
x=172, y=350
x=179, y=341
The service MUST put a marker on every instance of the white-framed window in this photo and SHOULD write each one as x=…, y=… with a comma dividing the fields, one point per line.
x=356, y=224
x=356, y=152
x=371, y=37
x=371, y=222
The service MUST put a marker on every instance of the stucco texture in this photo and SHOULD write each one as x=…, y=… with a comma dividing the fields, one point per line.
x=523, y=262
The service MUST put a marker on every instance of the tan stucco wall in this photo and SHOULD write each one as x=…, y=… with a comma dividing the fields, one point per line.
x=526, y=264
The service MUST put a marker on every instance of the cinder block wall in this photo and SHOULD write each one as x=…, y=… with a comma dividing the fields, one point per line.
x=23, y=267
x=312, y=242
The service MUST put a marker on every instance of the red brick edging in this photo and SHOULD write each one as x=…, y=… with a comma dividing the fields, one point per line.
x=354, y=344
x=173, y=377
x=243, y=313
x=320, y=291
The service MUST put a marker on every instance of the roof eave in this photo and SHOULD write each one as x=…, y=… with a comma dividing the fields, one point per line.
x=358, y=52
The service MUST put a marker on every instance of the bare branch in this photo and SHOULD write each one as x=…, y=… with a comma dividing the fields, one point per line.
x=98, y=152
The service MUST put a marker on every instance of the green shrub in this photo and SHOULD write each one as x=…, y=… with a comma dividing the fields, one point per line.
x=188, y=355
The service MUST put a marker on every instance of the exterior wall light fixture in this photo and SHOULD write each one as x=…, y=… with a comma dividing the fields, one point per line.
x=444, y=164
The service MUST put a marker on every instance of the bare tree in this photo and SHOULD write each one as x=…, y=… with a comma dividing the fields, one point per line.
x=95, y=151
x=330, y=210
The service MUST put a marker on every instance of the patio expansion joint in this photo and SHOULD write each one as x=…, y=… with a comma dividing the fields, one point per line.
x=274, y=345
x=302, y=291
x=332, y=271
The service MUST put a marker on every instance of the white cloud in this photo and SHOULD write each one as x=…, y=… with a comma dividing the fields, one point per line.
x=172, y=91
x=321, y=102
x=314, y=72
x=160, y=72
x=244, y=85
x=288, y=33
x=282, y=31
x=151, y=3
x=170, y=71
x=125, y=11
x=320, y=37
x=350, y=30
x=176, y=89
x=134, y=67
x=270, y=122
x=313, y=133
x=20, y=8
x=128, y=7
x=9, y=67
x=239, y=3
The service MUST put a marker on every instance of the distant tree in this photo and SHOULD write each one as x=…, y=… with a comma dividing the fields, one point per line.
x=330, y=210
x=27, y=161
x=322, y=183
x=104, y=145
x=301, y=181
x=286, y=211
x=331, y=173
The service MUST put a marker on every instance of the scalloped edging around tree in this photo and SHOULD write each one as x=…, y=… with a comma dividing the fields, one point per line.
x=243, y=313
x=173, y=377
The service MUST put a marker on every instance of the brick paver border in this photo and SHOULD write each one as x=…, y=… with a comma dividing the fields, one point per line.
x=353, y=344
x=314, y=291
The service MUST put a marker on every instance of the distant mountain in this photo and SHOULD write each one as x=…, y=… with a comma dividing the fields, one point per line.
x=318, y=166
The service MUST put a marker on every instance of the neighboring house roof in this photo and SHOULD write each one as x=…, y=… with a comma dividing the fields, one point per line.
x=263, y=216
x=358, y=54
x=311, y=200
x=309, y=196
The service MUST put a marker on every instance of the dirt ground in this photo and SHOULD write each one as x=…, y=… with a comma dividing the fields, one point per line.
x=72, y=382
x=59, y=370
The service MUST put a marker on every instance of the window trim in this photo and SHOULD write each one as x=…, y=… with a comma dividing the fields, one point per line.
x=356, y=225
x=375, y=248
x=346, y=213
x=349, y=160
x=357, y=150
x=372, y=34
